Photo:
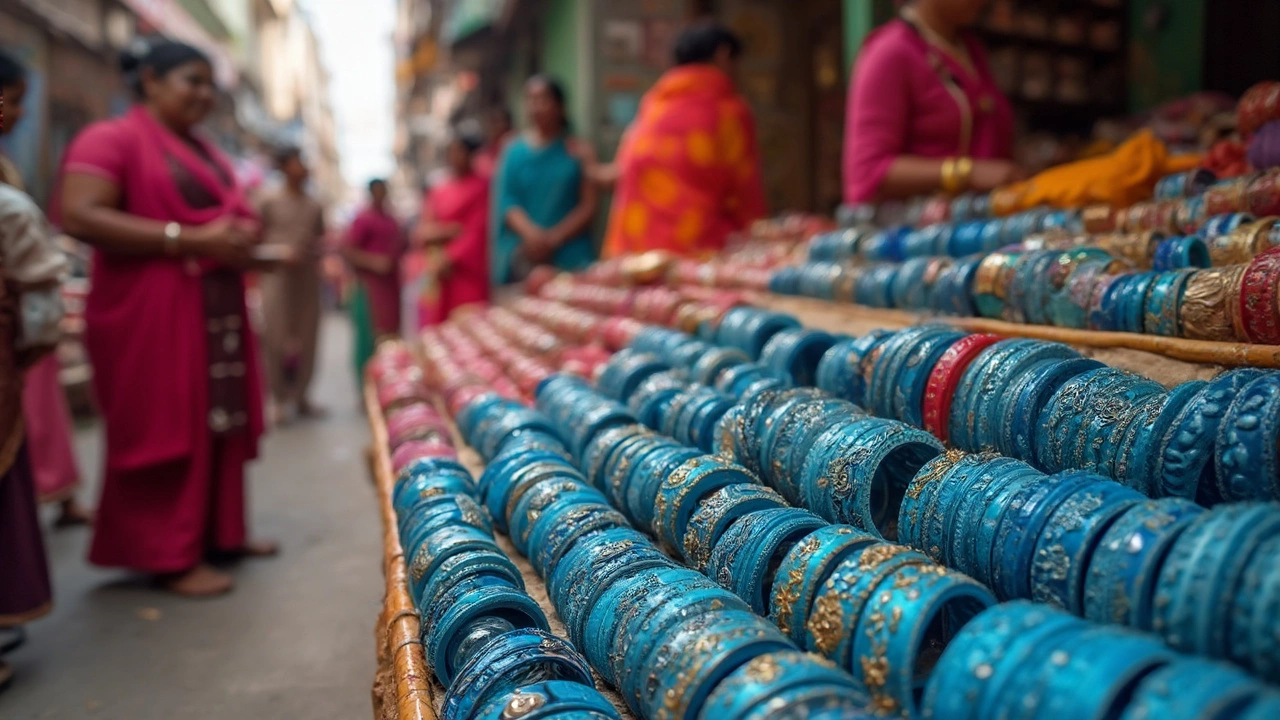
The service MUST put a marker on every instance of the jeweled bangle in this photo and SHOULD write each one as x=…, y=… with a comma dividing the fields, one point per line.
x=966, y=677
x=1260, y=592
x=1139, y=454
x=960, y=422
x=530, y=505
x=550, y=699
x=596, y=456
x=712, y=363
x=986, y=515
x=1068, y=538
x=717, y=512
x=943, y=379
x=788, y=443
x=612, y=554
x=680, y=493
x=967, y=504
x=1184, y=461
x=1120, y=583
x=1062, y=406
x=839, y=371
x=824, y=475
x=809, y=563
x=516, y=658
x=514, y=606
x=498, y=494
x=879, y=476
x=647, y=477
x=997, y=381
x=637, y=611
x=1258, y=299
x=939, y=506
x=913, y=375
x=1246, y=444
x=439, y=545
x=563, y=524
x=493, y=565
x=429, y=485
x=752, y=569
x=432, y=513
x=1201, y=688
x=913, y=514
x=1020, y=527
x=1188, y=607
x=892, y=631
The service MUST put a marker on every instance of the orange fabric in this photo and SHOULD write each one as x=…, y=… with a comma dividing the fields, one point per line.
x=690, y=169
x=1121, y=178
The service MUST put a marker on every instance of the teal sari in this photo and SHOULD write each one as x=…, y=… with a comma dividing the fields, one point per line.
x=545, y=182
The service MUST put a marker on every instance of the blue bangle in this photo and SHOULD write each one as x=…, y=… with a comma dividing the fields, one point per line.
x=998, y=379
x=1120, y=584
x=839, y=605
x=686, y=352
x=1183, y=467
x=1139, y=453
x=960, y=424
x=590, y=568
x=1246, y=443
x=913, y=375
x=824, y=473
x=659, y=624
x=1260, y=595
x=714, y=362
x=547, y=700
x=699, y=654
x=637, y=612
x=647, y=398
x=793, y=428
x=1193, y=689
x=892, y=631
x=489, y=564
x=968, y=676
x=1203, y=569
x=840, y=370
x=431, y=514
x=495, y=430
x=498, y=498
x=441, y=637
x=1028, y=399
x=622, y=466
x=1020, y=527
x=966, y=504
x=1063, y=550
x=602, y=447
x=1000, y=496
x=1105, y=312
x=520, y=657
x=439, y=545
x=603, y=618
x=500, y=469
x=879, y=476
x=752, y=567
x=796, y=353
x=682, y=491
x=806, y=566
x=625, y=371
x=702, y=430
x=758, y=330
x=646, y=478
x=748, y=690
x=922, y=517
x=551, y=496
x=1064, y=405
x=1036, y=308
x=594, y=422
x=428, y=477
x=1134, y=302
x=1163, y=303
x=563, y=524
x=717, y=512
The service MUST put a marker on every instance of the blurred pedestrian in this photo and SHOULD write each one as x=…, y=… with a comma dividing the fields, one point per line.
x=498, y=129
x=449, y=266
x=175, y=366
x=925, y=113
x=31, y=269
x=543, y=201
x=373, y=247
x=293, y=221
x=688, y=169
x=44, y=402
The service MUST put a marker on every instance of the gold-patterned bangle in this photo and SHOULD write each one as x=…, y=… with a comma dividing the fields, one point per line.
x=1204, y=313
x=1232, y=286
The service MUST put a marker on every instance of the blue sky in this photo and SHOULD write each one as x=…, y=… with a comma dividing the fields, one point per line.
x=356, y=42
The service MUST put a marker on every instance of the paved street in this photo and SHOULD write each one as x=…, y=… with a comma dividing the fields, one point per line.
x=294, y=640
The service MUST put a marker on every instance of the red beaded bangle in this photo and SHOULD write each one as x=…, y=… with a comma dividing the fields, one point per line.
x=944, y=377
x=1258, y=308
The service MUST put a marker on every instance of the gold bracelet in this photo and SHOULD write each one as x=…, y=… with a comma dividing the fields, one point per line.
x=964, y=170
x=949, y=176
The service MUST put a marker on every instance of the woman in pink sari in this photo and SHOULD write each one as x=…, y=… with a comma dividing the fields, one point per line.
x=175, y=364
x=450, y=265
x=924, y=112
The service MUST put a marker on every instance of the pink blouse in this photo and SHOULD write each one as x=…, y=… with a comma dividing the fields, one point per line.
x=899, y=105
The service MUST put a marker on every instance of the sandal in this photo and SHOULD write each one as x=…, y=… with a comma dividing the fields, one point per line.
x=11, y=639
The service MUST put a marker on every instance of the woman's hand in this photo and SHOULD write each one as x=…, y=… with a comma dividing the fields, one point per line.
x=988, y=175
x=227, y=240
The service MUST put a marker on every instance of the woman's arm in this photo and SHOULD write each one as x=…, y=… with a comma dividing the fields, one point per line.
x=910, y=176
x=580, y=217
x=430, y=231
x=90, y=213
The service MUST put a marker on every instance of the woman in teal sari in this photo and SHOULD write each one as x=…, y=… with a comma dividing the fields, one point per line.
x=543, y=200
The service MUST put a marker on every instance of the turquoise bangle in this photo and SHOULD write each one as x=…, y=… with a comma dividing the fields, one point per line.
x=549, y=700
x=1246, y=448
x=1184, y=459
x=755, y=685
x=752, y=569
x=1139, y=459
x=804, y=569
x=1259, y=594
x=686, y=487
x=519, y=657
x=715, y=514
x=1163, y=302
x=1192, y=689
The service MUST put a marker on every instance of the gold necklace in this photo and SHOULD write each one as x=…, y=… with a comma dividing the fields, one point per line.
x=957, y=50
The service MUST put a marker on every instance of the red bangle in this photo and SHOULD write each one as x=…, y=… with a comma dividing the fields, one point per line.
x=1258, y=308
x=944, y=377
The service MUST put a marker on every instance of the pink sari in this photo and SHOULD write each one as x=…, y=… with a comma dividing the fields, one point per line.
x=44, y=405
x=464, y=201
x=174, y=479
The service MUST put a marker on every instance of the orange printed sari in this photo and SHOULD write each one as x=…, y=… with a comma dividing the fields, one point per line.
x=690, y=169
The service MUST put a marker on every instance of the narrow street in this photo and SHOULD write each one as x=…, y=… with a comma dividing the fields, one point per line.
x=294, y=640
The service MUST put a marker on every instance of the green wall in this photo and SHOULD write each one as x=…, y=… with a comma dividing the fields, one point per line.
x=860, y=18
x=1167, y=63
x=564, y=44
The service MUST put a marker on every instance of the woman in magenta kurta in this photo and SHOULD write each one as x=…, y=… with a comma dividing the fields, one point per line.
x=924, y=112
x=453, y=239
x=175, y=364
x=374, y=245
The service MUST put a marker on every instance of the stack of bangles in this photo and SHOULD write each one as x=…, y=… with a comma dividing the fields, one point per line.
x=597, y=482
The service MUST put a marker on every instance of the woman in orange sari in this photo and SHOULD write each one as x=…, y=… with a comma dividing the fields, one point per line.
x=688, y=171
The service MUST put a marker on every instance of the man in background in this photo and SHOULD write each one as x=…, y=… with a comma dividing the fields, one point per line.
x=292, y=221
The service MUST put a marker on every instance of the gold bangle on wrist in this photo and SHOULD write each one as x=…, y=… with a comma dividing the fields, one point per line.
x=949, y=176
x=964, y=171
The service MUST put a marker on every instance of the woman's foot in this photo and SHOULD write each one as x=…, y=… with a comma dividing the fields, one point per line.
x=259, y=549
x=311, y=412
x=73, y=514
x=6, y=676
x=200, y=581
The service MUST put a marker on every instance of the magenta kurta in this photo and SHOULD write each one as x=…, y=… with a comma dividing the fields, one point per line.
x=376, y=231
x=173, y=486
x=44, y=405
x=901, y=104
